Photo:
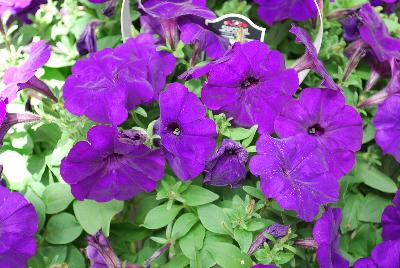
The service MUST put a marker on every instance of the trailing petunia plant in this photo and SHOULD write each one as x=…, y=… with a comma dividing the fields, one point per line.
x=135, y=135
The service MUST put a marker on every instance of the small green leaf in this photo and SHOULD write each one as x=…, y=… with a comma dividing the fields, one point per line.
x=183, y=225
x=192, y=241
x=372, y=208
x=214, y=218
x=229, y=256
x=94, y=216
x=62, y=229
x=196, y=196
x=374, y=178
x=351, y=209
x=244, y=239
x=75, y=258
x=160, y=216
x=40, y=207
x=57, y=197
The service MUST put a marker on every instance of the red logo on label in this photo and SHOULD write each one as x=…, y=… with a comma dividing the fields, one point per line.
x=236, y=23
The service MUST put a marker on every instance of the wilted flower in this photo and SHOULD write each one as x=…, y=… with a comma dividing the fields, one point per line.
x=162, y=16
x=23, y=76
x=109, y=10
x=277, y=10
x=276, y=230
x=384, y=255
x=326, y=234
x=249, y=83
x=227, y=166
x=375, y=33
x=388, y=5
x=323, y=116
x=391, y=220
x=310, y=59
x=21, y=8
x=350, y=28
x=18, y=226
x=105, y=167
x=293, y=172
x=194, y=31
x=387, y=124
x=87, y=40
x=188, y=137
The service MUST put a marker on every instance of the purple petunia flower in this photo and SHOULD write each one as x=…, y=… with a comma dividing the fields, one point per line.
x=23, y=76
x=387, y=124
x=249, y=83
x=87, y=40
x=227, y=166
x=110, y=82
x=277, y=10
x=263, y=266
x=194, y=31
x=293, y=172
x=310, y=59
x=106, y=167
x=375, y=33
x=142, y=51
x=388, y=5
x=322, y=115
x=188, y=137
x=391, y=220
x=384, y=255
x=326, y=234
x=21, y=8
x=162, y=16
x=18, y=225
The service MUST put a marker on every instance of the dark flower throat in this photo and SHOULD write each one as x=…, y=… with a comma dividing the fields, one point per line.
x=174, y=128
x=249, y=81
x=316, y=130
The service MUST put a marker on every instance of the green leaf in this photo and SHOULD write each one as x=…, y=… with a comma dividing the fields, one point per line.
x=352, y=206
x=94, y=216
x=39, y=205
x=374, y=178
x=160, y=216
x=178, y=261
x=213, y=218
x=196, y=196
x=244, y=239
x=192, y=241
x=229, y=256
x=372, y=208
x=62, y=229
x=75, y=258
x=57, y=197
x=254, y=191
x=183, y=225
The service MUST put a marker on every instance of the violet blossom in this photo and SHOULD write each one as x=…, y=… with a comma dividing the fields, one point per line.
x=188, y=137
x=326, y=235
x=18, y=225
x=323, y=116
x=249, y=83
x=227, y=166
x=87, y=40
x=387, y=124
x=391, y=220
x=389, y=6
x=293, y=172
x=263, y=266
x=276, y=230
x=310, y=59
x=384, y=255
x=110, y=82
x=21, y=9
x=271, y=11
x=106, y=167
x=21, y=77
x=350, y=28
x=161, y=16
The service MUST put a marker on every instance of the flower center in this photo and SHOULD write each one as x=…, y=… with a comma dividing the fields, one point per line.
x=230, y=151
x=174, y=128
x=113, y=160
x=249, y=81
x=316, y=130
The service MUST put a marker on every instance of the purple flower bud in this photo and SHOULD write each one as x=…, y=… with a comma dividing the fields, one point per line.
x=306, y=243
x=227, y=165
x=157, y=254
x=100, y=252
x=276, y=230
x=87, y=40
x=133, y=136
